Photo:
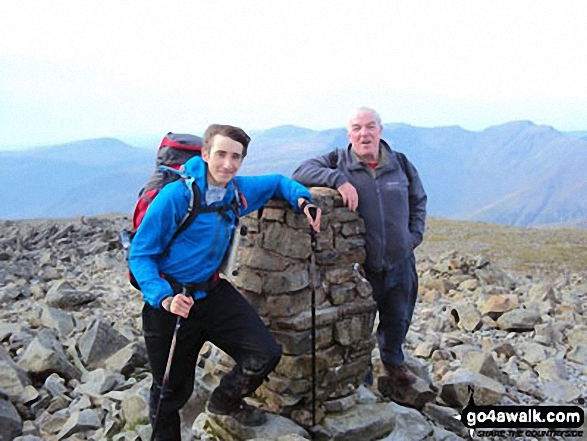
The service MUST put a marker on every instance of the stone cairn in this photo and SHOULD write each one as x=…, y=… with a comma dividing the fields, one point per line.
x=275, y=277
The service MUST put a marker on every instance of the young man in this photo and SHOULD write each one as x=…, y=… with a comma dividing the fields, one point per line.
x=212, y=310
x=387, y=191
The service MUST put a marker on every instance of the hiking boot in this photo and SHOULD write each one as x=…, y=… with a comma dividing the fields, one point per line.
x=244, y=413
x=399, y=373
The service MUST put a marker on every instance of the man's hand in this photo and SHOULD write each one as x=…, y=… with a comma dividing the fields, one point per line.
x=308, y=210
x=349, y=195
x=179, y=305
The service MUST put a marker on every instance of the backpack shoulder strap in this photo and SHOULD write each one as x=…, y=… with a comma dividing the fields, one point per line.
x=191, y=214
x=333, y=158
x=403, y=162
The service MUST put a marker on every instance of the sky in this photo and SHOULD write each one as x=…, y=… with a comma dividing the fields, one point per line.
x=72, y=70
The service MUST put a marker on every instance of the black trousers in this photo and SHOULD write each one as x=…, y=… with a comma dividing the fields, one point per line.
x=225, y=319
x=396, y=292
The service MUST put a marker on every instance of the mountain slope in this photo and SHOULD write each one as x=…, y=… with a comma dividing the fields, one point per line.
x=516, y=173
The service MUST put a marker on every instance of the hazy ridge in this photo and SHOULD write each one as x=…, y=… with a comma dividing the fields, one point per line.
x=516, y=173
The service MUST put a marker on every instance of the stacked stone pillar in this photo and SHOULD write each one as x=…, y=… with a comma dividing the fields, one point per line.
x=275, y=278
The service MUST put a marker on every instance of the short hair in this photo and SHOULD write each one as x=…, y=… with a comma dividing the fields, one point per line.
x=235, y=133
x=365, y=109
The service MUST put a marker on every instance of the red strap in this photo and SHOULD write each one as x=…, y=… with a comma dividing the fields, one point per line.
x=166, y=142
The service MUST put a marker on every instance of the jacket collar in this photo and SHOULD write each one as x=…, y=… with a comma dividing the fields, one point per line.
x=385, y=161
x=196, y=168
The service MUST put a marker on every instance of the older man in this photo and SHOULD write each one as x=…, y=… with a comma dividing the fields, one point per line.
x=386, y=189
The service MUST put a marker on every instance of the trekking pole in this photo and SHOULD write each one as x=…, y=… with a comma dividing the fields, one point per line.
x=314, y=243
x=165, y=381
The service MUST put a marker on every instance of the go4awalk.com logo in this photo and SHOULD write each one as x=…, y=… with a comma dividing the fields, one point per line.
x=522, y=421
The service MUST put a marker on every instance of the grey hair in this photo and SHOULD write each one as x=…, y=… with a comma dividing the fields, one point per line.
x=358, y=110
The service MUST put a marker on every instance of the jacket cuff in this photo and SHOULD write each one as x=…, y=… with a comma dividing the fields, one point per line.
x=416, y=240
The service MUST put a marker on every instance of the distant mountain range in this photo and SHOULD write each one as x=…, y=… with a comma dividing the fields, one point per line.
x=517, y=173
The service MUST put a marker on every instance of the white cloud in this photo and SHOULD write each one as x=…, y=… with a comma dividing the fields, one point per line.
x=98, y=68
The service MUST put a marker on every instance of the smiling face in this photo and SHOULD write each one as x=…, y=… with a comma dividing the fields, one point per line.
x=364, y=133
x=224, y=159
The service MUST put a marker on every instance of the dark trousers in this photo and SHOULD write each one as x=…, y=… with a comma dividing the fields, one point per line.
x=227, y=320
x=395, y=291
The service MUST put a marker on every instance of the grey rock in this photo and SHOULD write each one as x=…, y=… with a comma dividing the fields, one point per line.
x=541, y=292
x=10, y=421
x=467, y=317
x=561, y=391
x=63, y=295
x=409, y=424
x=132, y=356
x=456, y=386
x=534, y=353
x=414, y=395
x=366, y=421
x=578, y=354
x=57, y=319
x=135, y=408
x=80, y=421
x=99, y=342
x=55, y=385
x=45, y=356
x=552, y=369
x=13, y=379
x=519, y=320
x=445, y=417
x=98, y=382
x=483, y=363
x=226, y=427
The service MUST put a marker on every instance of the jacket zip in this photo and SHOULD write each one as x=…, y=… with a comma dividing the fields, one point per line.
x=382, y=221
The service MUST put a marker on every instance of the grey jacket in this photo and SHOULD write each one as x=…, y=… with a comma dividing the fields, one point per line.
x=392, y=201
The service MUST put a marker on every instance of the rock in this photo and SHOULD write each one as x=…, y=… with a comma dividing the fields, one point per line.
x=496, y=305
x=519, y=320
x=560, y=391
x=445, y=416
x=456, y=386
x=544, y=333
x=13, y=379
x=80, y=421
x=208, y=426
x=541, y=292
x=58, y=320
x=467, y=317
x=578, y=354
x=414, y=395
x=99, y=382
x=469, y=285
x=483, y=363
x=55, y=385
x=552, y=369
x=425, y=349
x=534, y=353
x=132, y=356
x=366, y=421
x=10, y=421
x=45, y=356
x=64, y=296
x=409, y=424
x=99, y=342
x=135, y=409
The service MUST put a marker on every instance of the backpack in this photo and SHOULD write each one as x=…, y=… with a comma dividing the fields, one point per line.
x=174, y=151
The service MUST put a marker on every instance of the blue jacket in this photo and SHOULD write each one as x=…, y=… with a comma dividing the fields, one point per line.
x=198, y=251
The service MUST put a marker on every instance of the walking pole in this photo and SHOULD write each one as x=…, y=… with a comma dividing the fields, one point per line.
x=166, y=375
x=314, y=243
